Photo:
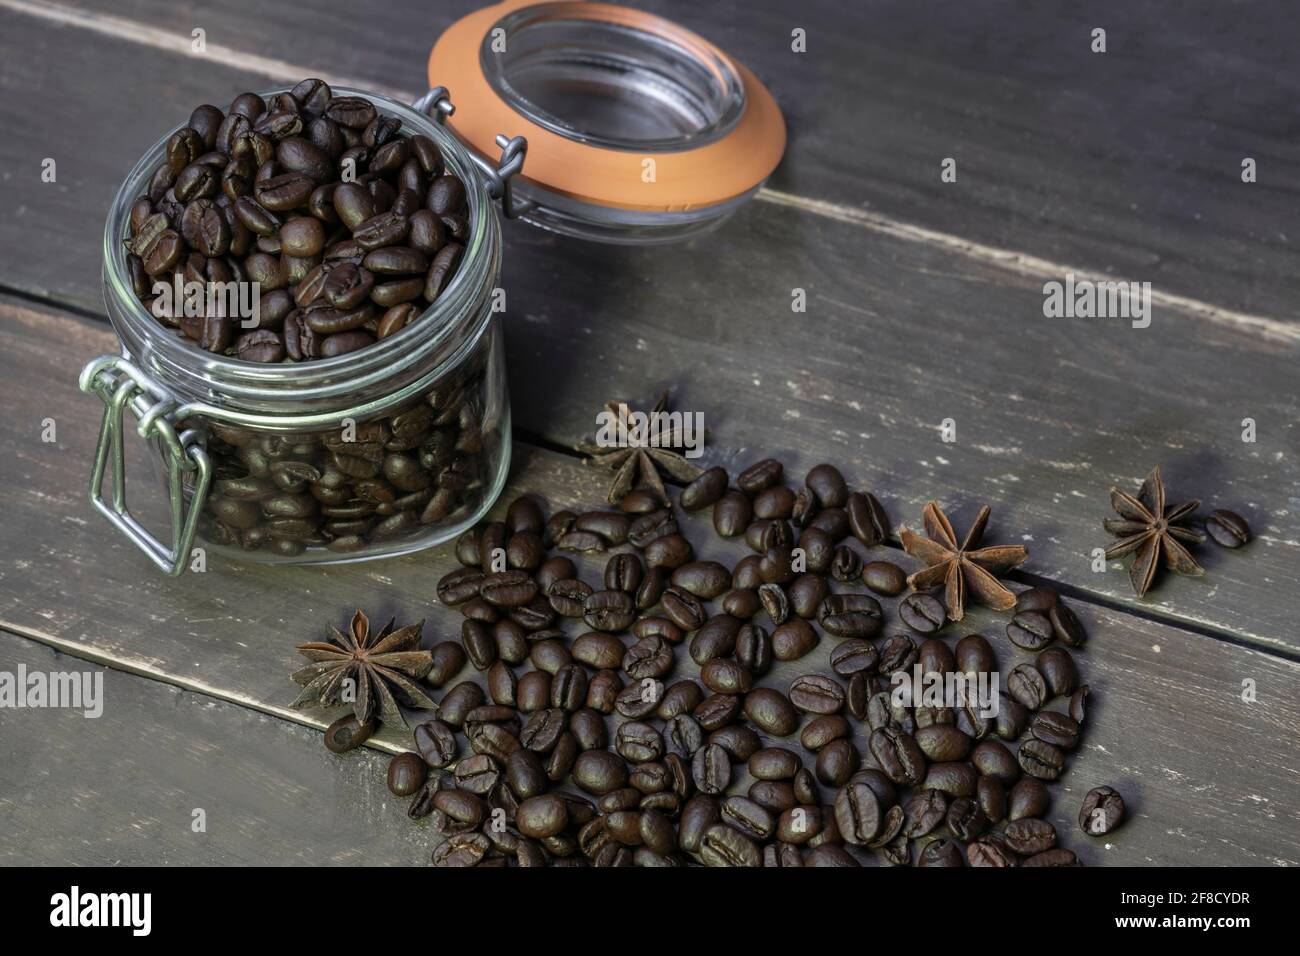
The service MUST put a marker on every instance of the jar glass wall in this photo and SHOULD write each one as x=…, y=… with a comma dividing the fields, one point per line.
x=386, y=450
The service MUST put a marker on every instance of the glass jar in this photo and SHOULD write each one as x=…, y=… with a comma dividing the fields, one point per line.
x=383, y=451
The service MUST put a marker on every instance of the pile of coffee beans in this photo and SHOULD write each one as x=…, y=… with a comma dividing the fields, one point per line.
x=396, y=476
x=351, y=228
x=666, y=732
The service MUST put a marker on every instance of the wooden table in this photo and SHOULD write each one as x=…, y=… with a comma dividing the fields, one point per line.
x=925, y=303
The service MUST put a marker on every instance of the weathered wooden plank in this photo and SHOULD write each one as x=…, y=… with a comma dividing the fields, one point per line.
x=1208, y=775
x=897, y=337
x=1127, y=162
x=121, y=789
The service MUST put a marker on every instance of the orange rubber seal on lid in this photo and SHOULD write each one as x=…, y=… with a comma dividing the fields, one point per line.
x=691, y=178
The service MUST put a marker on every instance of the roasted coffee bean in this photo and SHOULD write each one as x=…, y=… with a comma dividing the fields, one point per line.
x=659, y=627
x=806, y=594
x=819, y=551
x=1012, y=717
x=1058, y=670
x=820, y=731
x=569, y=597
x=542, y=731
x=598, y=650
x=1068, y=628
x=704, y=490
x=1053, y=727
x=1227, y=528
x=771, y=711
x=867, y=519
x=611, y=611
x=774, y=601
x=941, y=852
x=704, y=579
x=743, y=603
x=753, y=649
x=670, y=552
x=923, y=613
x=1029, y=836
x=974, y=655
x=545, y=815
x=1028, y=686
x=508, y=588
x=1031, y=630
x=898, y=755
x=722, y=845
x=647, y=527
x=935, y=657
x=476, y=636
x=711, y=769
x=992, y=758
x=724, y=676
x=624, y=572
x=1101, y=812
x=638, y=742
x=793, y=639
x=850, y=615
x=898, y=653
x=569, y=685
x=942, y=743
x=685, y=610
x=845, y=564
x=436, y=742
x=1028, y=798
x=966, y=820
x=458, y=702
x=448, y=659
x=684, y=735
x=954, y=778
x=854, y=656
x=649, y=657
x=599, y=771
x=462, y=850
x=554, y=570
x=681, y=698
x=760, y=476
x=776, y=502
x=837, y=762
x=1079, y=704
x=716, y=711
x=857, y=814
x=478, y=773
x=816, y=694
x=884, y=577
x=1041, y=760
x=737, y=740
x=347, y=733
x=924, y=813
x=732, y=514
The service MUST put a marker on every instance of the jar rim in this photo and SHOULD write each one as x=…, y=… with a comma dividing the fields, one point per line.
x=179, y=363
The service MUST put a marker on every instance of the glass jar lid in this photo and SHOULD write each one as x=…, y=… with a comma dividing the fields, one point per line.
x=638, y=130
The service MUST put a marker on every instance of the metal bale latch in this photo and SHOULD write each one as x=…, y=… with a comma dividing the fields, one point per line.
x=121, y=386
x=514, y=150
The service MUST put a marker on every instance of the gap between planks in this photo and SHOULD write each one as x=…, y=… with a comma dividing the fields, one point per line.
x=1017, y=263
x=138, y=668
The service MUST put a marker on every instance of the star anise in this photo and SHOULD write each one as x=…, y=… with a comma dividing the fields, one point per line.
x=957, y=566
x=1146, y=526
x=644, y=454
x=371, y=662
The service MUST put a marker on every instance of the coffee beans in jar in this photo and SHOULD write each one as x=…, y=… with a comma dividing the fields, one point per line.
x=358, y=408
x=302, y=225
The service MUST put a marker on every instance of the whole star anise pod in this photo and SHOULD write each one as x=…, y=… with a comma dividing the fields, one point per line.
x=644, y=454
x=372, y=662
x=1146, y=526
x=958, y=566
